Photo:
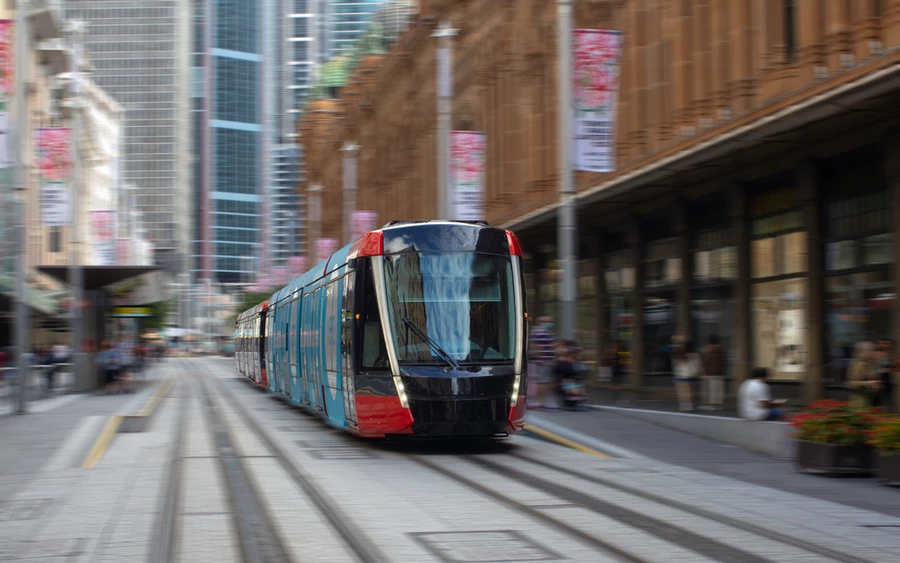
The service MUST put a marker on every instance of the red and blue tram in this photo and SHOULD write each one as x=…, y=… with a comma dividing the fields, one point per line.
x=418, y=328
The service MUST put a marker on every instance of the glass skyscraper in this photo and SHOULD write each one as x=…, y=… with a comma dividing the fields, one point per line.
x=229, y=139
x=139, y=51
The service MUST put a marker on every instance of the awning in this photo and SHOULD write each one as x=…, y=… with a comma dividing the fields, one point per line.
x=96, y=277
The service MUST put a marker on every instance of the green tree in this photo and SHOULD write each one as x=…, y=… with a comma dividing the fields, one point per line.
x=251, y=300
x=157, y=319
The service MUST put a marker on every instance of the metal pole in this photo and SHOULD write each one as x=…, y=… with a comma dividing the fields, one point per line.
x=567, y=235
x=350, y=150
x=22, y=324
x=315, y=213
x=80, y=377
x=445, y=35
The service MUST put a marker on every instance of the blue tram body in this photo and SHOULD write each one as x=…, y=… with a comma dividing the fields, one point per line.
x=418, y=328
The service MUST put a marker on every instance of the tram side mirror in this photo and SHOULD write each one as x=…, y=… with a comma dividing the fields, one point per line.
x=351, y=263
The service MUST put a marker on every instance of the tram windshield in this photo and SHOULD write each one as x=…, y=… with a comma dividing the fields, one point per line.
x=451, y=308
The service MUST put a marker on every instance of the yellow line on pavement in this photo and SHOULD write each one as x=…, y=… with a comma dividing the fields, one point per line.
x=157, y=397
x=563, y=441
x=103, y=441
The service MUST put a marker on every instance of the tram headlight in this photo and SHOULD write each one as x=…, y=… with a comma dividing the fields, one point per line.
x=515, y=392
x=401, y=392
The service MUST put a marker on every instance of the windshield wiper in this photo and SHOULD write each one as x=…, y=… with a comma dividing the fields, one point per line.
x=431, y=342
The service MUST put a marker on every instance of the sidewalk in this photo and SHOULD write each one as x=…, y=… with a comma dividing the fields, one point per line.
x=56, y=432
x=643, y=439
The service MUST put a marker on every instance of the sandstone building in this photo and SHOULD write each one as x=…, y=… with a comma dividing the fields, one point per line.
x=757, y=156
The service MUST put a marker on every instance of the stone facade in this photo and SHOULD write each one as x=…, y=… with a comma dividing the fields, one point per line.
x=692, y=72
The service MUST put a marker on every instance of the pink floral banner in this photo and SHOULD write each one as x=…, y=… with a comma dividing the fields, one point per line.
x=54, y=159
x=595, y=88
x=103, y=237
x=325, y=247
x=468, y=156
x=7, y=86
x=361, y=222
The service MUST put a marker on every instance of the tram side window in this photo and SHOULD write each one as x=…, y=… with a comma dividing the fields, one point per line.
x=374, y=352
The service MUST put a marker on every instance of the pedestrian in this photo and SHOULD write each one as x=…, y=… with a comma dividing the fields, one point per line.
x=713, y=379
x=887, y=367
x=755, y=398
x=542, y=358
x=865, y=382
x=687, y=370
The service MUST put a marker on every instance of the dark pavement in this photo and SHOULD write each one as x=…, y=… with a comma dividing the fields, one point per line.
x=686, y=450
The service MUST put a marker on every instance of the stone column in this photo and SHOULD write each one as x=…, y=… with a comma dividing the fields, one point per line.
x=684, y=326
x=596, y=252
x=891, y=154
x=806, y=181
x=634, y=243
x=742, y=303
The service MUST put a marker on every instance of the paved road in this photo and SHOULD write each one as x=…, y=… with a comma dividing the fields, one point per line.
x=228, y=473
x=687, y=450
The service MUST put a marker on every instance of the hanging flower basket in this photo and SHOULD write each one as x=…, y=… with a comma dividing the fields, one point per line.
x=884, y=437
x=832, y=438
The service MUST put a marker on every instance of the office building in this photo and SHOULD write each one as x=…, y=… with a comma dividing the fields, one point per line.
x=230, y=103
x=139, y=51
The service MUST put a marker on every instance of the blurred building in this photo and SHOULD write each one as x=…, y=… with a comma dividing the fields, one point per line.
x=340, y=23
x=231, y=140
x=140, y=52
x=755, y=184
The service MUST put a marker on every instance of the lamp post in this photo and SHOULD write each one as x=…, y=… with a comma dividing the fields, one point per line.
x=76, y=30
x=21, y=182
x=350, y=150
x=567, y=241
x=445, y=35
x=315, y=218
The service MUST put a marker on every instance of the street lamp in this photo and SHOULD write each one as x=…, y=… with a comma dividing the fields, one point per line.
x=567, y=241
x=445, y=35
x=350, y=150
x=21, y=182
x=315, y=217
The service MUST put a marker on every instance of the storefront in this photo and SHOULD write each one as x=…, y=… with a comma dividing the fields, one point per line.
x=858, y=244
x=661, y=275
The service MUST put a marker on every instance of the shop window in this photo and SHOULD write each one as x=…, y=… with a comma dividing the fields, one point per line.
x=778, y=264
x=618, y=301
x=55, y=239
x=858, y=247
x=662, y=272
x=712, y=293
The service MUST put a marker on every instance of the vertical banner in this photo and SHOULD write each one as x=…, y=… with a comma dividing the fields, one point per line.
x=468, y=150
x=595, y=88
x=103, y=237
x=123, y=251
x=297, y=265
x=325, y=247
x=54, y=172
x=361, y=222
x=7, y=87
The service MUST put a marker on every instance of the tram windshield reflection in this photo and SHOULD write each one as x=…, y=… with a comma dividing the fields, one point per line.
x=463, y=302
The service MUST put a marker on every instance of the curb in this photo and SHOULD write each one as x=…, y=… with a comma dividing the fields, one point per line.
x=140, y=421
x=577, y=440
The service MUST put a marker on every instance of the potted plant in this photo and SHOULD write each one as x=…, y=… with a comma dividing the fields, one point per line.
x=885, y=438
x=831, y=438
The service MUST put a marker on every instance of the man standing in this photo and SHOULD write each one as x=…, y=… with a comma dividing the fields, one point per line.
x=542, y=357
x=713, y=379
x=755, y=398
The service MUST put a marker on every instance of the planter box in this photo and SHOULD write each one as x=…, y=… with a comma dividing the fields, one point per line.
x=835, y=459
x=889, y=467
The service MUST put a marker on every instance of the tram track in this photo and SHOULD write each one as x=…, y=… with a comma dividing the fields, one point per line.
x=258, y=539
x=362, y=547
x=697, y=511
x=165, y=542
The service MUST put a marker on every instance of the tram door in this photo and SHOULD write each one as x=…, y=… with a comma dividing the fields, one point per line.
x=348, y=325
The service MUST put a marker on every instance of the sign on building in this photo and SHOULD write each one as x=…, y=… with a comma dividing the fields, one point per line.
x=325, y=247
x=468, y=151
x=54, y=161
x=595, y=87
x=361, y=222
x=103, y=233
x=7, y=87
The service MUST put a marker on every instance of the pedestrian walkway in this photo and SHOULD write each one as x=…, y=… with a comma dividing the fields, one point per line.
x=656, y=442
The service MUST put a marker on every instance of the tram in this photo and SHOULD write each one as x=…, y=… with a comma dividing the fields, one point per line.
x=415, y=329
